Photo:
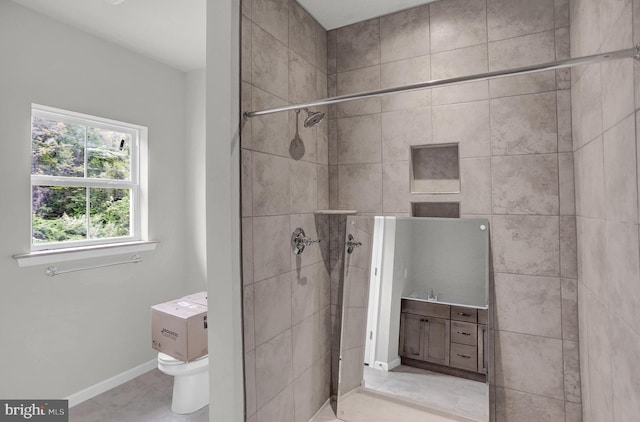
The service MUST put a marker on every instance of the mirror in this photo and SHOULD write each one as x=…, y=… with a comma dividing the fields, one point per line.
x=414, y=314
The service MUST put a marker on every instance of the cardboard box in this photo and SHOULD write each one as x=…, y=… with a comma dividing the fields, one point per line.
x=179, y=329
x=199, y=298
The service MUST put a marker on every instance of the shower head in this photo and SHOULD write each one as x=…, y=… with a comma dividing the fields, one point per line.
x=313, y=118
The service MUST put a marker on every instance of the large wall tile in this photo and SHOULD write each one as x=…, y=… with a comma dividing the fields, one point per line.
x=566, y=184
x=321, y=48
x=250, y=382
x=246, y=177
x=586, y=101
x=273, y=368
x=522, y=51
x=591, y=186
x=623, y=272
x=359, y=139
x=360, y=187
x=530, y=364
x=310, y=292
x=245, y=52
x=525, y=184
x=512, y=18
x=268, y=131
x=270, y=184
x=524, y=124
x=310, y=390
x=272, y=307
x=617, y=98
x=395, y=186
x=599, y=344
x=358, y=45
x=516, y=406
x=404, y=72
x=573, y=412
x=302, y=79
x=572, y=391
x=561, y=13
x=311, y=341
x=354, y=81
x=565, y=136
x=592, y=253
x=569, y=309
x=248, y=317
x=461, y=62
x=532, y=83
x=247, y=251
x=271, y=246
x=568, y=241
x=304, y=191
x=402, y=129
x=524, y=244
x=302, y=32
x=621, y=191
x=475, y=185
x=270, y=61
x=272, y=16
x=625, y=371
x=461, y=93
x=323, y=187
x=280, y=408
x=457, y=24
x=528, y=305
x=472, y=136
x=405, y=34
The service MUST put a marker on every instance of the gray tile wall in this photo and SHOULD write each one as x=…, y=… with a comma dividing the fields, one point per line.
x=605, y=100
x=286, y=298
x=516, y=167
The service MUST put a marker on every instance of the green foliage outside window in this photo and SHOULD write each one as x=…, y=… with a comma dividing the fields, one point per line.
x=60, y=212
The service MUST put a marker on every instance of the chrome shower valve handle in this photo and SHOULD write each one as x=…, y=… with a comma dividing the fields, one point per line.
x=299, y=241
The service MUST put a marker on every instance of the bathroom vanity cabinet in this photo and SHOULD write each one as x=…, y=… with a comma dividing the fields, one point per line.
x=444, y=338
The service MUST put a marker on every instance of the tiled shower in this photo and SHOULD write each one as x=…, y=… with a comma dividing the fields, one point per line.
x=517, y=138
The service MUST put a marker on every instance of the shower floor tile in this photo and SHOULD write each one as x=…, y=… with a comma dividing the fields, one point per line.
x=457, y=396
x=146, y=398
x=365, y=407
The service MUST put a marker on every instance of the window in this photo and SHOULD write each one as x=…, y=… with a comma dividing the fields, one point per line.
x=85, y=187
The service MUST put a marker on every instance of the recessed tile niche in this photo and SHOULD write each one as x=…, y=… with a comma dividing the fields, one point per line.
x=435, y=169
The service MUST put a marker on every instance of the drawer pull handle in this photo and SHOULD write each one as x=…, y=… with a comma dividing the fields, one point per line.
x=424, y=320
x=463, y=333
x=416, y=354
x=464, y=356
x=464, y=314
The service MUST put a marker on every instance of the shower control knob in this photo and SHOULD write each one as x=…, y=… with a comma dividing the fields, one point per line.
x=299, y=241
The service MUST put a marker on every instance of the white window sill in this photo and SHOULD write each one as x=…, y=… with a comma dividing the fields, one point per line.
x=85, y=252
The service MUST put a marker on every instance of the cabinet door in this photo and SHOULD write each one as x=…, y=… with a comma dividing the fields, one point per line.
x=411, y=332
x=436, y=340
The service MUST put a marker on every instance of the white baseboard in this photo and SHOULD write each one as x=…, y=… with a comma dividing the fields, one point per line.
x=387, y=366
x=108, y=384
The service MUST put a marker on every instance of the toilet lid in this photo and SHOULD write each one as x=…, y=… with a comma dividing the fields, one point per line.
x=170, y=360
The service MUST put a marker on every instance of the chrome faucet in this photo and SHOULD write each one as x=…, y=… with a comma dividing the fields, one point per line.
x=431, y=295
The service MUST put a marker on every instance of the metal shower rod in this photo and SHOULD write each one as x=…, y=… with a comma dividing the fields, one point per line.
x=560, y=64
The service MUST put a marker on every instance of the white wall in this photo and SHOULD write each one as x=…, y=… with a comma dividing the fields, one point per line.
x=195, y=174
x=60, y=335
x=223, y=212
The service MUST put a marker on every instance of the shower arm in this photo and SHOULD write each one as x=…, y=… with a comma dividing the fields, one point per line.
x=559, y=64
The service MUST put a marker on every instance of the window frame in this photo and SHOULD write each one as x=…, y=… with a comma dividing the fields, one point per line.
x=138, y=133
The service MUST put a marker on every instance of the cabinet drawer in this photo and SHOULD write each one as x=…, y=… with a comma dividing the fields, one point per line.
x=425, y=308
x=460, y=313
x=464, y=357
x=464, y=333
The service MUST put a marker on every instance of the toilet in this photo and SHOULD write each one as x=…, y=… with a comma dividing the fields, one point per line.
x=190, y=382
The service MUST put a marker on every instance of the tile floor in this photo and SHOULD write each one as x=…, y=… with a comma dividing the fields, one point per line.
x=365, y=407
x=457, y=396
x=146, y=398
